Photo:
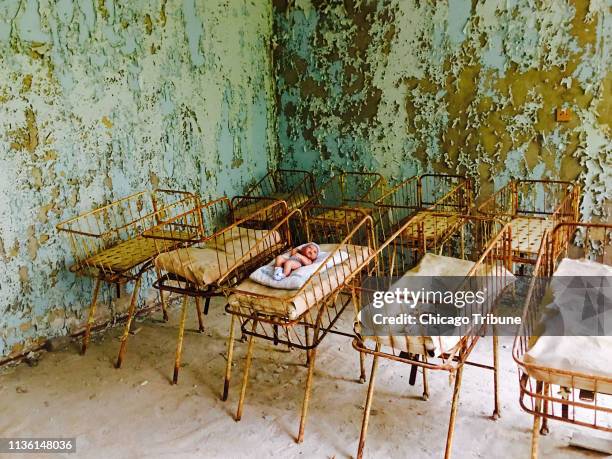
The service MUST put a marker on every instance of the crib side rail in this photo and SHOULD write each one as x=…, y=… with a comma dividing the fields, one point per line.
x=263, y=187
x=403, y=195
x=295, y=182
x=350, y=189
x=204, y=248
x=362, y=187
x=580, y=240
x=535, y=293
x=568, y=209
x=252, y=247
x=502, y=203
x=296, y=186
x=568, y=403
x=446, y=193
x=545, y=198
x=125, y=219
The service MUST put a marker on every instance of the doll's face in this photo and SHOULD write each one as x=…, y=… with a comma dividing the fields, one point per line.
x=310, y=251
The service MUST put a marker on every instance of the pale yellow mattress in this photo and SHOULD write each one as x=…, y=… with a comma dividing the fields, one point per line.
x=294, y=201
x=205, y=265
x=527, y=234
x=434, y=227
x=340, y=216
x=285, y=303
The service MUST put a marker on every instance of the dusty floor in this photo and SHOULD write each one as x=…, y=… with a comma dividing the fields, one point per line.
x=135, y=412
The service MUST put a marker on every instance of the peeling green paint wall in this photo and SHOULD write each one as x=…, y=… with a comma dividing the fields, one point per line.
x=405, y=86
x=101, y=98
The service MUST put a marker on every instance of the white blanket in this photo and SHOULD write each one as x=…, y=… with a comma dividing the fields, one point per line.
x=298, y=277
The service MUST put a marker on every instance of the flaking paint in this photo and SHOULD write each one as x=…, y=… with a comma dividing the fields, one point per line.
x=452, y=86
x=101, y=99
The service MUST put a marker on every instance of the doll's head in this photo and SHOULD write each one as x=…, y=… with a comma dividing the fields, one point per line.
x=310, y=251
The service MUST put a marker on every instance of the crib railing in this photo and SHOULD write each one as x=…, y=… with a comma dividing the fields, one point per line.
x=534, y=198
x=100, y=230
x=295, y=187
x=538, y=396
x=351, y=189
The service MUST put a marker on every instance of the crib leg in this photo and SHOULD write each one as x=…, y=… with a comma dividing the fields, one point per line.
x=206, y=305
x=230, y=355
x=128, y=323
x=362, y=374
x=311, y=365
x=90, y=316
x=535, y=437
x=179, y=343
x=355, y=301
x=367, y=408
x=198, y=302
x=425, y=383
x=535, y=433
x=453, y=416
x=245, y=377
x=307, y=339
x=162, y=300
x=496, y=409
x=544, y=430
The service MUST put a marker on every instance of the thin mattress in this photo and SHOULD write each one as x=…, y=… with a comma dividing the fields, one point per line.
x=205, y=265
x=527, y=234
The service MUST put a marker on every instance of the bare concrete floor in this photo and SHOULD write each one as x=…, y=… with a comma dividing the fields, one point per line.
x=135, y=412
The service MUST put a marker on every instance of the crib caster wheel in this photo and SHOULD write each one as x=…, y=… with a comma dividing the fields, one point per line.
x=425, y=396
x=495, y=416
x=544, y=430
x=362, y=380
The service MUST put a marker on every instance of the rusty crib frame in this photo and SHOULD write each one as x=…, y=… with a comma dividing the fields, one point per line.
x=109, y=245
x=307, y=330
x=541, y=202
x=296, y=187
x=445, y=193
x=238, y=249
x=345, y=190
x=491, y=254
x=537, y=397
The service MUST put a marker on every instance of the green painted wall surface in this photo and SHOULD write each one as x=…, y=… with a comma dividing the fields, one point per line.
x=406, y=86
x=99, y=99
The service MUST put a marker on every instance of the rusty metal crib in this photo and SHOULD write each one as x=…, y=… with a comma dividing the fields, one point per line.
x=435, y=192
x=532, y=206
x=581, y=398
x=301, y=318
x=295, y=187
x=351, y=190
x=108, y=244
x=480, y=248
x=222, y=253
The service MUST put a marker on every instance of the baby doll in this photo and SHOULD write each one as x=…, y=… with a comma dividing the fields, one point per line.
x=303, y=255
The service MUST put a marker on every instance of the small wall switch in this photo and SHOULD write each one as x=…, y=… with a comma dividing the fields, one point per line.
x=564, y=115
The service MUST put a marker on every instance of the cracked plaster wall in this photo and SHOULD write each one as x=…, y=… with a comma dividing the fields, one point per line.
x=406, y=86
x=101, y=98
